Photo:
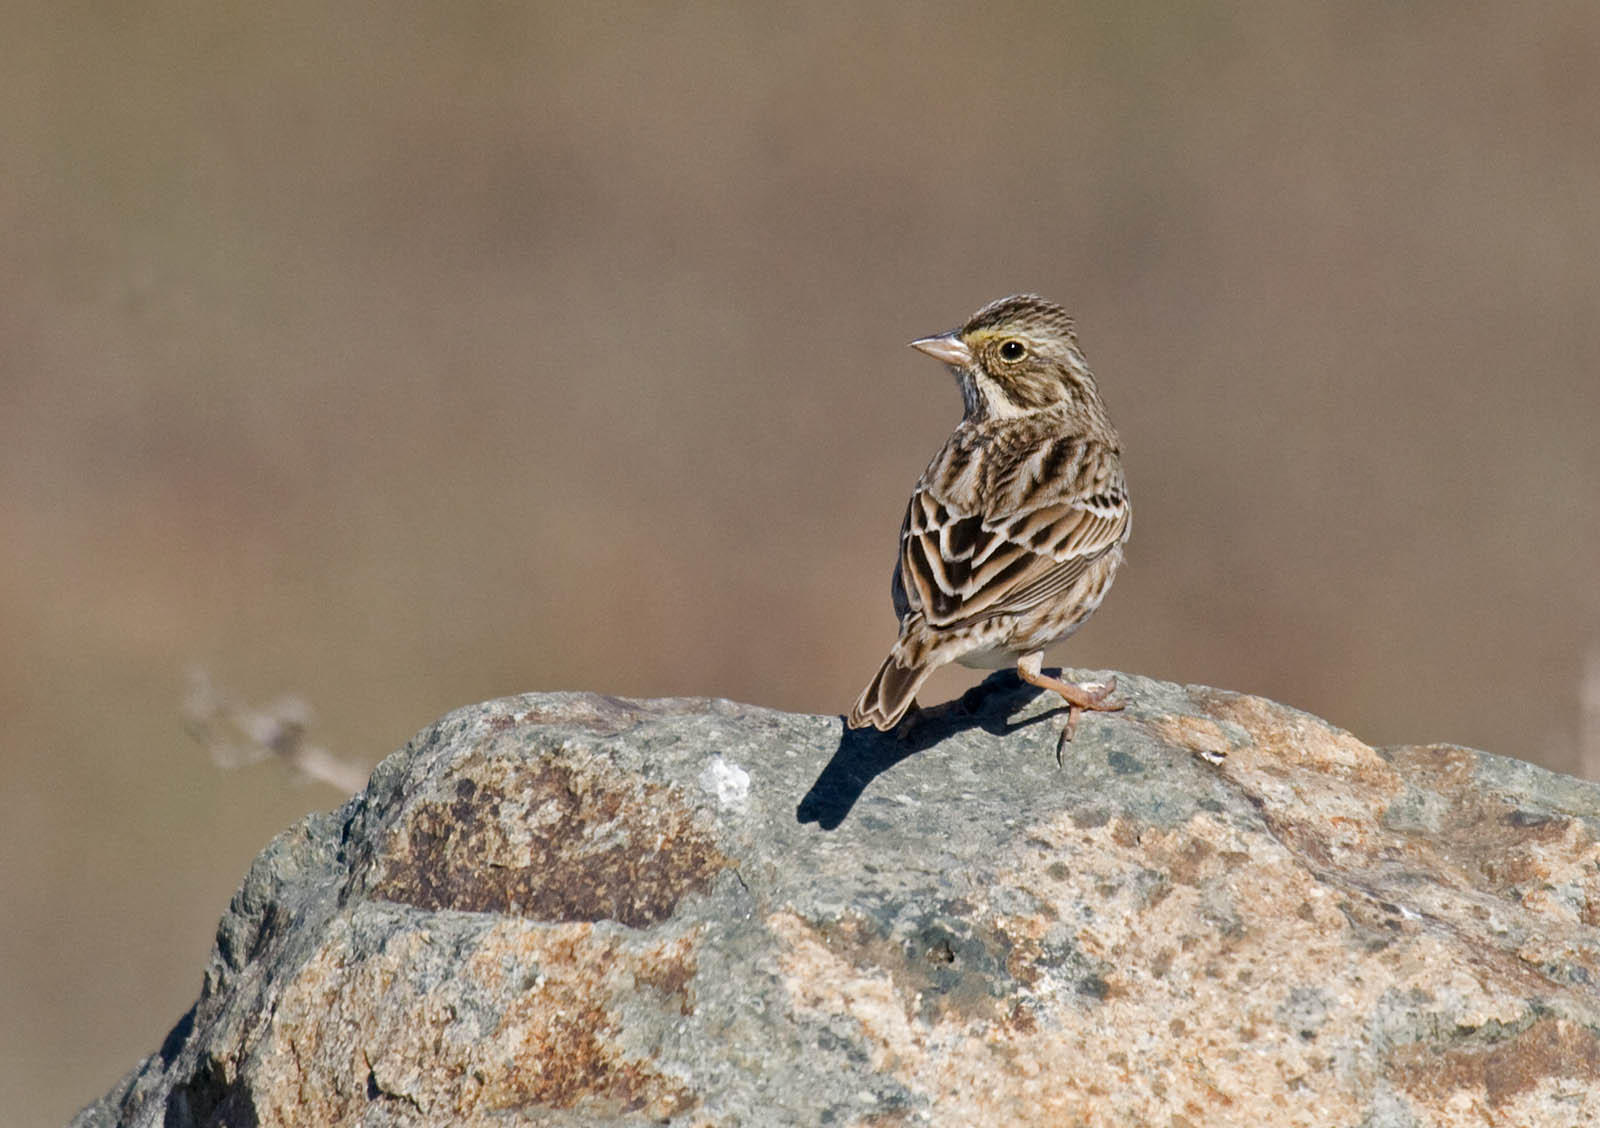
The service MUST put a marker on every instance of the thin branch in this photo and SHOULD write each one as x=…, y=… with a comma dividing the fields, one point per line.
x=236, y=735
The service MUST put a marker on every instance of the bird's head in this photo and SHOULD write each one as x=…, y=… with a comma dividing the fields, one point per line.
x=1016, y=356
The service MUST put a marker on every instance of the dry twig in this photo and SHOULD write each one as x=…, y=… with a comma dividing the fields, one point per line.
x=236, y=735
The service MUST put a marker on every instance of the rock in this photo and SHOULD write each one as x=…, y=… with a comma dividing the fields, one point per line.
x=566, y=909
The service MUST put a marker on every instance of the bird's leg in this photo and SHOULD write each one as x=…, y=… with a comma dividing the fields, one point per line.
x=1096, y=700
x=1077, y=697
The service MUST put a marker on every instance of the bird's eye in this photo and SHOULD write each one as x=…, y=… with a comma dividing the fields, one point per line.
x=1012, y=350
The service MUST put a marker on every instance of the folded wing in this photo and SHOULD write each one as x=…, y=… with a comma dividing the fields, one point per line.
x=1027, y=541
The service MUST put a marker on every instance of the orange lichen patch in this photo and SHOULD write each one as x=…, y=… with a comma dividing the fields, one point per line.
x=1198, y=734
x=1445, y=768
x=557, y=839
x=1549, y=863
x=556, y=1038
x=352, y=1031
x=1550, y=1050
x=1316, y=786
x=821, y=981
x=1282, y=738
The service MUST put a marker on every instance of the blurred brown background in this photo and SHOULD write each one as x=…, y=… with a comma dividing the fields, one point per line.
x=405, y=356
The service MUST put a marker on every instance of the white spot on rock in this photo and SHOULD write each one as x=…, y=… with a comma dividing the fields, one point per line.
x=728, y=782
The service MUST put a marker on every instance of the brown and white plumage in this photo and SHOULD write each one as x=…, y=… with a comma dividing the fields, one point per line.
x=1015, y=530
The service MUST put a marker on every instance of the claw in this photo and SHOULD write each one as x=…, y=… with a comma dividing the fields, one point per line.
x=1068, y=731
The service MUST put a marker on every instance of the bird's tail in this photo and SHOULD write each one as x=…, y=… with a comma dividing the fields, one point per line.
x=892, y=689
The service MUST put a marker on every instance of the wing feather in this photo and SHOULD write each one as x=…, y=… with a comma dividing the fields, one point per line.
x=975, y=547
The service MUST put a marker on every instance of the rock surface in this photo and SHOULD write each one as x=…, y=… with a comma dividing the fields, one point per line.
x=566, y=909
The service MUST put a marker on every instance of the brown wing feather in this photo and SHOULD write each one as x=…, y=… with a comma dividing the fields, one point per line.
x=971, y=551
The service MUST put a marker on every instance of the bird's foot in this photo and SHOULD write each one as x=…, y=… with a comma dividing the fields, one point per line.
x=1094, y=697
x=1097, y=697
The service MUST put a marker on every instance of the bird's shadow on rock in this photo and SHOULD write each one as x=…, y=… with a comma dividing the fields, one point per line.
x=865, y=754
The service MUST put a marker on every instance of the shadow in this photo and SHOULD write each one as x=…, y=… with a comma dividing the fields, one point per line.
x=865, y=754
x=177, y=1036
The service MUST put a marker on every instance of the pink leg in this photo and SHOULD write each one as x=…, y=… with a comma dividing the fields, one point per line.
x=1076, y=697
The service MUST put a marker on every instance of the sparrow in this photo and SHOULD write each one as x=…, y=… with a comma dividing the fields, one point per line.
x=1016, y=529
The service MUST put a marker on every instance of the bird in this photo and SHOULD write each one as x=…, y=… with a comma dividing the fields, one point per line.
x=1015, y=531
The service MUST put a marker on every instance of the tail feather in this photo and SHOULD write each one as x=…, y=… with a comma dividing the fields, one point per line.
x=890, y=692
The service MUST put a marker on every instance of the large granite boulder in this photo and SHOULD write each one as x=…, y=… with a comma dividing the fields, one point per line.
x=566, y=909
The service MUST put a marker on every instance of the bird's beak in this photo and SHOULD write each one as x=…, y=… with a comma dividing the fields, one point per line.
x=948, y=347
